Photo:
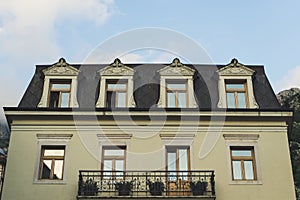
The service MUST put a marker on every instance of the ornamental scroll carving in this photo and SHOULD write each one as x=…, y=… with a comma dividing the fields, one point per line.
x=236, y=68
x=61, y=68
x=117, y=68
x=176, y=68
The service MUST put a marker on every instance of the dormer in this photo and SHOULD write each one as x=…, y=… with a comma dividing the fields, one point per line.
x=116, y=86
x=60, y=86
x=236, y=87
x=176, y=86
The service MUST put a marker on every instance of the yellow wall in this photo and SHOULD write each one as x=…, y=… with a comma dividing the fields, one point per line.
x=23, y=157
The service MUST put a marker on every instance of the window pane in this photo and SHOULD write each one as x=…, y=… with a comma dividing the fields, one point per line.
x=241, y=153
x=65, y=96
x=237, y=170
x=182, y=100
x=61, y=86
x=171, y=161
x=119, y=167
x=107, y=166
x=234, y=86
x=249, y=174
x=121, y=99
x=171, y=100
x=230, y=100
x=54, y=98
x=176, y=86
x=114, y=152
x=116, y=86
x=183, y=163
x=46, y=169
x=58, y=169
x=54, y=152
x=241, y=100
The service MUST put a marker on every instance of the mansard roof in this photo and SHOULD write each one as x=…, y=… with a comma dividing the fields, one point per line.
x=146, y=84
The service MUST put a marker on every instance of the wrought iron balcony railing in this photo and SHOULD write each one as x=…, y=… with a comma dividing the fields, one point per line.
x=98, y=184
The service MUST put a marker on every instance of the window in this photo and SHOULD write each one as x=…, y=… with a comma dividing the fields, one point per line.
x=113, y=159
x=52, y=162
x=116, y=93
x=235, y=86
x=176, y=86
x=236, y=94
x=176, y=94
x=60, y=91
x=243, y=163
x=178, y=159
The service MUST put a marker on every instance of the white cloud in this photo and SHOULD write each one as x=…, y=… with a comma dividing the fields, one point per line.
x=290, y=80
x=29, y=35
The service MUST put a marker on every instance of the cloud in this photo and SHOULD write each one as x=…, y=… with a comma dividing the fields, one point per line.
x=290, y=80
x=29, y=34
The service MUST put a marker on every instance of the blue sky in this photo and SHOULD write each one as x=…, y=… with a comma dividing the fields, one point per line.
x=40, y=32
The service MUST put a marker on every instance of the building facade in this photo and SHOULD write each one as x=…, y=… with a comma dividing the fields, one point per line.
x=95, y=131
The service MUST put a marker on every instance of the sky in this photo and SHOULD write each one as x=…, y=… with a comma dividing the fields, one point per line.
x=40, y=32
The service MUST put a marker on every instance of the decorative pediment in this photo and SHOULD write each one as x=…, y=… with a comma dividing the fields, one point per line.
x=235, y=69
x=116, y=69
x=176, y=68
x=61, y=68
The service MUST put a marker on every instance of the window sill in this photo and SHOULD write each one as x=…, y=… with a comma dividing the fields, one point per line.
x=250, y=182
x=54, y=182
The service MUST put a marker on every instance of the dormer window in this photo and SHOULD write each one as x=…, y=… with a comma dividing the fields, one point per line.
x=116, y=86
x=60, y=92
x=60, y=86
x=176, y=93
x=236, y=87
x=176, y=86
x=116, y=93
x=236, y=94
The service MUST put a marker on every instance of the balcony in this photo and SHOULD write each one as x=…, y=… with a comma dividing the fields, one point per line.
x=146, y=184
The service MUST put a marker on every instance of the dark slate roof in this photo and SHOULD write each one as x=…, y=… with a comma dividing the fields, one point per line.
x=146, y=86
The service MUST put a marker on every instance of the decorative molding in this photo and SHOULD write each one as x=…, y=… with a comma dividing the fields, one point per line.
x=61, y=68
x=54, y=136
x=235, y=69
x=114, y=136
x=176, y=68
x=117, y=68
x=170, y=136
x=241, y=136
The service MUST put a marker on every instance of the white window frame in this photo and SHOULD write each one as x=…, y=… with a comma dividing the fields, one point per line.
x=236, y=71
x=60, y=71
x=52, y=140
x=243, y=140
x=177, y=71
x=115, y=72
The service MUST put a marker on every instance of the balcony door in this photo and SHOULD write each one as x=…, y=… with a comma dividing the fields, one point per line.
x=178, y=165
x=113, y=161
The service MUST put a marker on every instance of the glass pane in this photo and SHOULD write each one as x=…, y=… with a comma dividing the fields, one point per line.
x=119, y=167
x=249, y=174
x=58, y=169
x=176, y=86
x=237, y=170
x=121, y=99
x=230, y=100
x=54, y=152
x=171, y=100
x=114, y=152
x=110, y=99
x=54, y=99
x=241, y=100
x=107, y=166
x=46, y=169
x=182, y=100
x=116, y=86
x=65, y=96
x=241, y=153
x=183, y=163
x=61, y=86
x=234, y=86
x=171, y=165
